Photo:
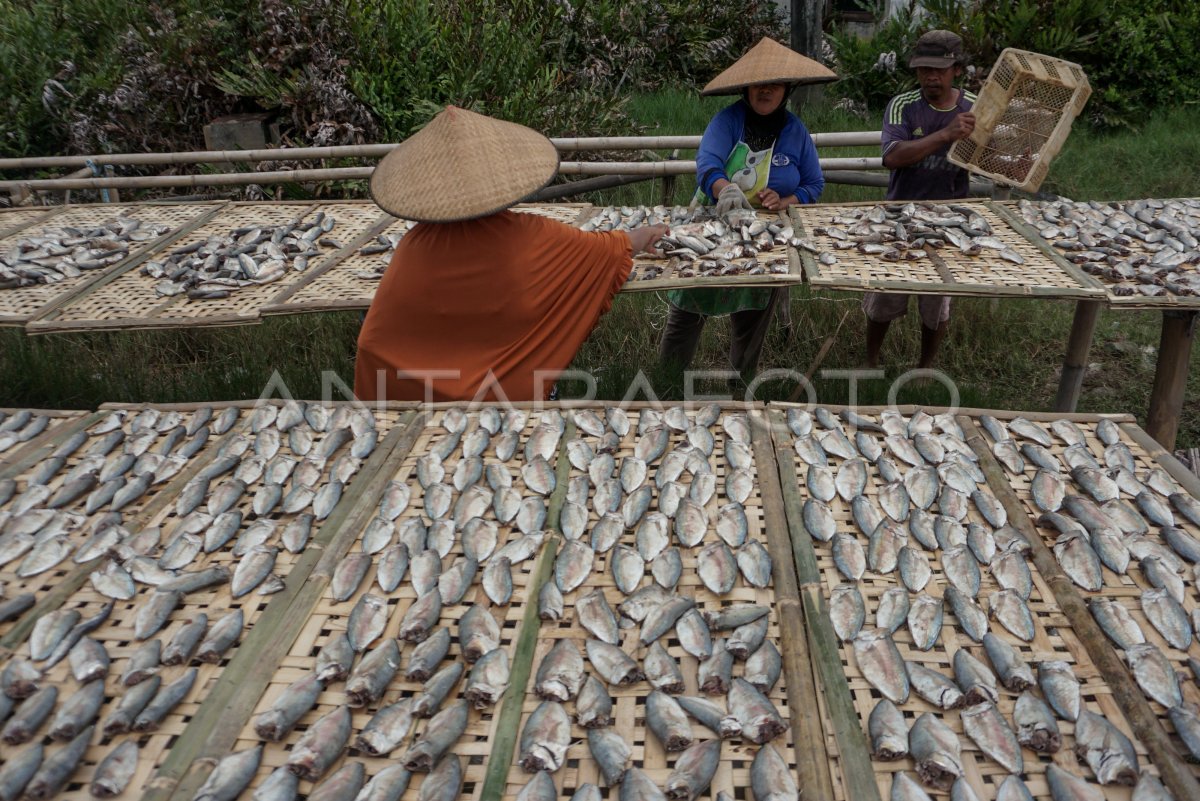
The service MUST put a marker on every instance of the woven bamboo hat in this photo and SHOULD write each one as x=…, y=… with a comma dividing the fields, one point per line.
x=461, y=166
x=768, y=62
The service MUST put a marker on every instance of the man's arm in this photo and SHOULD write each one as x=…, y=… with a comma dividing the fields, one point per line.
x=907, y=153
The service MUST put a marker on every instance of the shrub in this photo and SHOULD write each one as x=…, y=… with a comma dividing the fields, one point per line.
x=415, y=56
x=110, y=75
x=648, y=45
x=52, y=54
x=872, y=70
x=1137, y=55
x=298, y=68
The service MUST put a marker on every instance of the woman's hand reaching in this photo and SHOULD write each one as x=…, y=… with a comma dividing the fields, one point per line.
x=771, y=200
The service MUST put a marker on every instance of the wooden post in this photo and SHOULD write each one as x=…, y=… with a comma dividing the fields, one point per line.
x=807, y=21
x=1075, y=362
x=668, y=184
x=112, y=195
x=807, y=25
x=1170, y=376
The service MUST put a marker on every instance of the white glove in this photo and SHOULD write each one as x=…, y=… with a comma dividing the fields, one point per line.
x=731, y=198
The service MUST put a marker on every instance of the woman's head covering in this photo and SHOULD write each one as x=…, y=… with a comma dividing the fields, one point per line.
x=768, y=62
x=460, y=166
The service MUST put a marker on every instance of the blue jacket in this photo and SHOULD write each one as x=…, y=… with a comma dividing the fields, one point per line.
x=794, y=170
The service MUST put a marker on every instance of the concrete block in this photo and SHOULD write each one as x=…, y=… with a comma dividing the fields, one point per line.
x=253, y=131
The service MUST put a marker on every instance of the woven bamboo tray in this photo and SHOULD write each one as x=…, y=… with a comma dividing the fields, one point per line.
x=55, y=420
x=574, y=214
x=337, y=286
x=1127, y=589
x=945, y=272
x=116, y=634
x=127, y=300
x=155, y=509
x=54, y=587
x=1011, y=210
x=329, y=618
x=19, y=306
x=651, y=275
x=732, y=775
x=13, y=220
x=1054, y=639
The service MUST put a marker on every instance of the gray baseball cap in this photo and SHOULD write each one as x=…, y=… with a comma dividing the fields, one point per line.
x=937, y=49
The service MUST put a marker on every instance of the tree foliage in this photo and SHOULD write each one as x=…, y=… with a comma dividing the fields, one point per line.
x=1139, y=55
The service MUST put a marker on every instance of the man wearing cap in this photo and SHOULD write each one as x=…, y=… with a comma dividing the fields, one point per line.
x=754, y=153
x=918, y=129
x=478, y=302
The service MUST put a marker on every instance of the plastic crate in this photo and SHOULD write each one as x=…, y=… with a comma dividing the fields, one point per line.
x=1022, y=117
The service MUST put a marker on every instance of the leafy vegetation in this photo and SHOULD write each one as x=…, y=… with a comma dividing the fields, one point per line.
x=96, y=76
x=1139, y=56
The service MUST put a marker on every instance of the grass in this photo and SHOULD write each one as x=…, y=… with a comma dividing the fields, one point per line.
x=1001, y=354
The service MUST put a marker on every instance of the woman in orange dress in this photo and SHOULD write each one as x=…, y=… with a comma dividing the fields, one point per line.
x=481, y=303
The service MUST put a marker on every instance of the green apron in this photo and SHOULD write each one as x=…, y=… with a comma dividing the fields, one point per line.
x=726, y=299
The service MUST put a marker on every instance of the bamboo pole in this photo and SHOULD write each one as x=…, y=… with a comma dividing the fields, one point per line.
x=513, y=701
x=812, y=760
x=509, y=721
x=1167, y=461
x=571, y=188
x=855, y=178
x=651, y=168
x=689, y=167
x=1170, y=377
x=213, y=730
x=853, y=753
x=222, y=179
x=565, y=145
x=1070, y=383
x=1142, y=721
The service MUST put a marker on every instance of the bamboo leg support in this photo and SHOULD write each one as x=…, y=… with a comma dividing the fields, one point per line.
x=1075, y=363
x=1170, y=376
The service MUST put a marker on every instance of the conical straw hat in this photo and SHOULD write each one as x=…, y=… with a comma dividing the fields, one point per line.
x=768, y=62
x=460, y=166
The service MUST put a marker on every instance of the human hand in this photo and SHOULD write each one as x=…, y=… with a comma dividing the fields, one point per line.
x=960, y=127
x=771, y=200
x=643, y=238
x=731, y=198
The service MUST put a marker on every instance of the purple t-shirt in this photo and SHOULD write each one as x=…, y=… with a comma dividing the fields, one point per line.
x=909, y=116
